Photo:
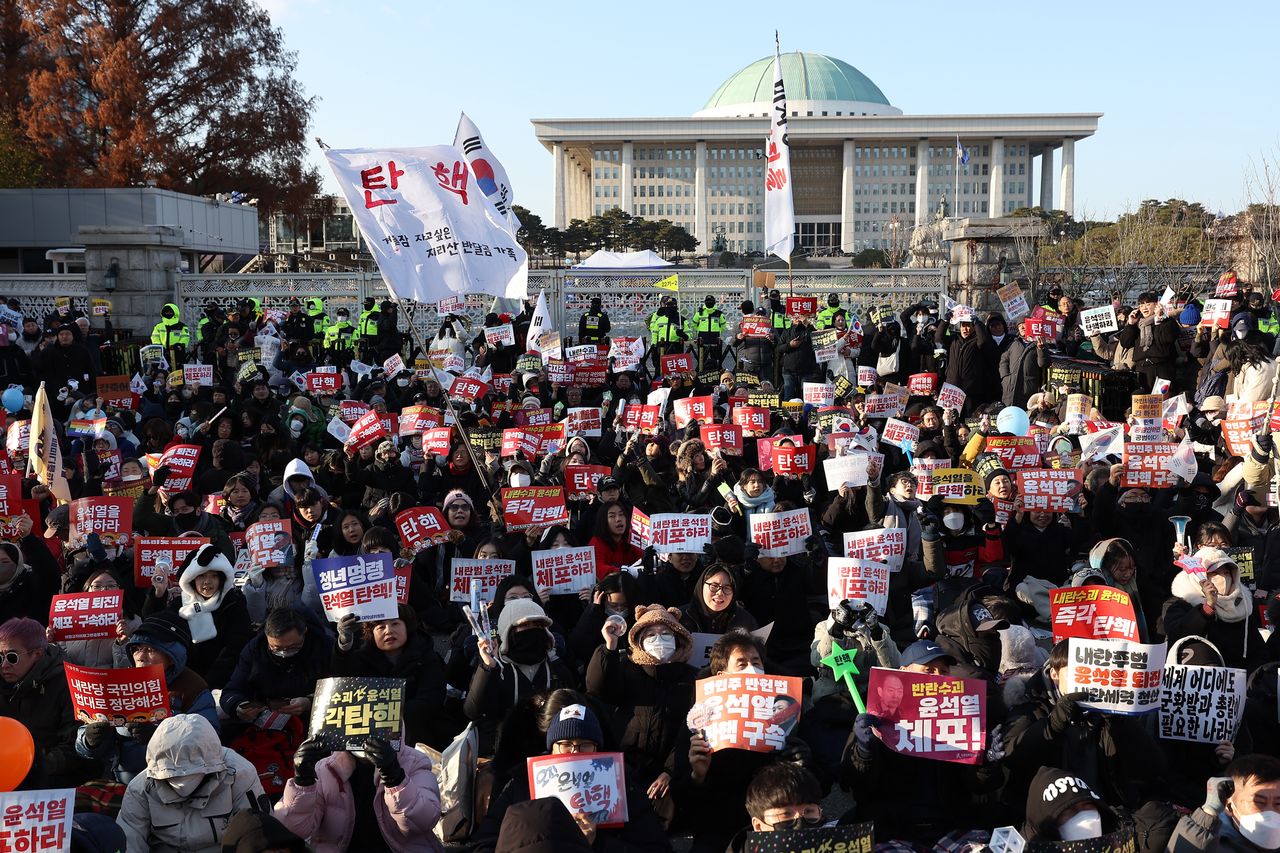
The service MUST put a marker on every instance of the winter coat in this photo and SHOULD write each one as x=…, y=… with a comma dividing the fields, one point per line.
x=1119, y=357
x=282, y=495
x=782, y=599
x=610, y=557
x=419, y=665
x=1157, y=358
x=220, y=626
x=968, y=367
x=42, y=703
x=493, y=691
x=154, y=818
x=1201, y=832
x=800, y=359
x=381, y=479
x=1239, y=642
x=55, y=364
x=261, y=676
x=325, y=813
x=33, y=590
x=1022, y=368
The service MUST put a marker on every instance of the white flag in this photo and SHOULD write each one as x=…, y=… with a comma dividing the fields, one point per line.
x=490, y=176
x=44, y=454
x=432, y=230
x=539, y=324
x=779, y=212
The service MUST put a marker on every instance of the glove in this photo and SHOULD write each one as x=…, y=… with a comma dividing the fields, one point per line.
x=161, y=474
x=93, y=544
x=984, y=513
x=1244, y=498
x=308, y=753
x=709, y=553
x=863, y=725
x=815, y=543
x=934, y=506
x=1217, y=790
x=347, y=627
x=96, y=733
x=650, y=559
x=751, y=552
x=384, y=759
x=930, y=529
x=1264, y=443
x=141, y=733
x=995, y=746
x=311, y=551
x=1067, y=708
x=810, y=495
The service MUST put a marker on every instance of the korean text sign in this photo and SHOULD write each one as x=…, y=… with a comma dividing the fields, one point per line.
x=421, y=527
x=1050, y=489
x=1120, y=677
x=564, y=571
x=887, y=545
x=533, y=506
x=150, y=550
x=348, y=711
x=85, y=615
x=581, y=481
x=37, y=821
x=1015, y=451
x=1201, y=703
x=929, y=716
x=745, y=711
x=679, y=533
x=641, y=534
x=859, y=581
x=363, y=584
x=592, y=783
x=269, y=543
x=781, y=534
x=726, y=438
x=1144, y=464
x=1092, y=613
x=486, y=573
x=852, y=838
x=121, y=696
x=110, y=518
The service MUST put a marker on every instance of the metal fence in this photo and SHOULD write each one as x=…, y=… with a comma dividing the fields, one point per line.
x=37, y=292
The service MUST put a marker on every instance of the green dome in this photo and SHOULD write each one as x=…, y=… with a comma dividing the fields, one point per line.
x=808, y=77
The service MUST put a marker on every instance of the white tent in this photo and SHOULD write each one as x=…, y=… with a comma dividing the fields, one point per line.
x=604, y=260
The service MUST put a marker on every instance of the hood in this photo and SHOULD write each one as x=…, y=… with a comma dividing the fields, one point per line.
x=315, y=306
x=203, y=559
x=579, y=443
x=296, y=468
x=182, y=745
x=1194, y=651
x=1085, y=575
x=1052, y=792
x=109, y=439
x=175, y=319
x=1098, y=551
x=540, y=826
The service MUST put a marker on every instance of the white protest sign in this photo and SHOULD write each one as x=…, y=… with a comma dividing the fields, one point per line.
x=858, y=581
x=37, y=821
x=564, y=571
x=780, y=534
x=1201, y=703
x=680, y=533
x=500, y=336
x=951, y=397
x=483, y=575
x=846, y=471
x=1014, y=302
x=1120, y=677
x=1095, y=321
x=888, y=545
x=900, y=434
x=819, y=393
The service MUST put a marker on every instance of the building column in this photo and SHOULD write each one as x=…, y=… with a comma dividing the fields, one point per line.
x=701, y=231
x=1046, y=180
x=558, y=178
x=628, y=175
x=1068, y=177
x=995, y=196
x=922, y=181
x=846, y=200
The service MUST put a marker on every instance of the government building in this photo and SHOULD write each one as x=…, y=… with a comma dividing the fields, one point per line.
x=864, y=174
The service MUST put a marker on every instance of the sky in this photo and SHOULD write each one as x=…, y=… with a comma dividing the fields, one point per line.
x=1187, y=89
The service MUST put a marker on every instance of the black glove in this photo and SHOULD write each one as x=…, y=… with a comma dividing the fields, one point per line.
x=815, y=543
x=930, y=529
x=1067, y=709
x=650, y=559
x=93, y=544
x=1265, y=442
x=161, y=474
x=305, y=758
x=934, y=506
x=751, y=552
x=709, y=553
x=142, y=732
x=984, y=513
x=379, y=751
x=1244, y=498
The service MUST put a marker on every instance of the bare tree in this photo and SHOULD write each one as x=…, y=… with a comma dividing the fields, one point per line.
x=1261, y=219
x=1027, y=238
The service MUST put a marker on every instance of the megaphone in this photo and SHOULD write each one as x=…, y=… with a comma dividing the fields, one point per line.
x=1180, y=523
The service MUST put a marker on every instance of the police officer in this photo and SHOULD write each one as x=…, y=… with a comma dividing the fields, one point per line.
x=708, y=329
x=777, y=313
x=594, y=325
x=319, y=319
x=1268, y=325
x=172, y=334
x=367, y=332
x=370, y=307
x=297, y=326
x=340, y=336
x=666, y=336
x=827, y=316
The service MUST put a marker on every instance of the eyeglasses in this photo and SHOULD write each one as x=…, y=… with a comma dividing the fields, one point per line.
x=12, y=658
x=575, y=746
x=717, y=588
x=101, y=587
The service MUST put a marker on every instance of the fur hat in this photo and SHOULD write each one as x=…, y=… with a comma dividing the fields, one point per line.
x=656, y=614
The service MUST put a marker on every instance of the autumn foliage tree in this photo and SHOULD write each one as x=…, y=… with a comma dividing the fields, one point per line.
x=194, y=95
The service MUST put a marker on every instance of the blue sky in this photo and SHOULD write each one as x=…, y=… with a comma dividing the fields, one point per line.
x=1187, y=88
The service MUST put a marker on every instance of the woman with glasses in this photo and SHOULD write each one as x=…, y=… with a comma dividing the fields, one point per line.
x=100, y=653
x=715, y=608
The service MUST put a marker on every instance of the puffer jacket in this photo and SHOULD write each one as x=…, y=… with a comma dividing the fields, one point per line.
x=1022, y=368
x=154, y=818
x=42, y=703
x=325, y=813
x=220, y=626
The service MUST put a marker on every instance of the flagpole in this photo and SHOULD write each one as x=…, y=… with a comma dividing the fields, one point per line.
x=955, y=199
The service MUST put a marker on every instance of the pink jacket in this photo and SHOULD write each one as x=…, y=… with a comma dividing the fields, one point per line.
x=325, y=813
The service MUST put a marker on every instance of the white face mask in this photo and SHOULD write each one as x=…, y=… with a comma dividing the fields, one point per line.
x=1241, y=334
x=659, y=646
x=520, y=479
x=953, y=521
x=1261, y=828
x=751, y=670
x=403, y=383
x=295, y=427
x=185, y=786
x=1081, y=825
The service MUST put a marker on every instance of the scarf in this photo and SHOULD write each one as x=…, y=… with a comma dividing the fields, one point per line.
x=1230, y=607
x=1146, y=331
x=239, y=516
x=763, y=503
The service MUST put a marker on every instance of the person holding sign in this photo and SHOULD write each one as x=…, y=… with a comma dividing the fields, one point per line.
x=969, y=357
x=1209, y=601
x=714, y=608
x=1153, y=338
x=1022, y=367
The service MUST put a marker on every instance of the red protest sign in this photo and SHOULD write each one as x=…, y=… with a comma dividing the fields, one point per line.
x=929, y=716
x=677, y=363
x=1015, y=451
x=1049, y=489
x=641, y=419
x=756, y=327
x=85, y=615
x=1035, y=331
x=350, y=411
x=1092, y=613
x=181, y=461
x=421, y=527
x=580, y=481
x=367, y=430
x=641, y=529
x=324, y=383
x=437, y=440
x=121, y=696
x=152, y=550
x=754, y=421
x=689, y=409
x=533, y=506
x=110, y=518
x=922, y=384
x=794, y=460
x=116, y=392
x=559, y=372
x=590, y=374
x=533, y=417
x=468, y=388
x=564, y=571
x=751, y=712
x=726, y=438
x=517, y=440
x=550, y=437
x=270, y=543
x=802, y=306
x=1144, y=464
x=1238, y=433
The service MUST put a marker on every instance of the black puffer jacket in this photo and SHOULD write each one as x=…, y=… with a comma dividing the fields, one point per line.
x=969, y=366
x=32, y=591
x=423, y=671
x=261, y=676
x=42, y=703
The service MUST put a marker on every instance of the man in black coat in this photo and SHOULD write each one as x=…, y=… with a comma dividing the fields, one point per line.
x=969, y=364
x=1154, y=339
x=65, y=360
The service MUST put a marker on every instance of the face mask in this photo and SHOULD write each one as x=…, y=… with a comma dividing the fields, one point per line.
x=295, y=427
x=520, y=480
x=659, y=646
x=953, y=521
x=611, y=611
x=185, y=786
x=1241, y=334
x=1081, y=825
x=1262, y=828
x=528, y=647
x=186, y=520
x=285, y=653
x=752, y=670
x=797, y=822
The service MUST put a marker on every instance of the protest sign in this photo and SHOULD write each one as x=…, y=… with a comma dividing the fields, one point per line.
x=361, y=584
x=845, y=471
x=85, y=615
x=859, y=581
x=1050, y=489
x=780, y=534
x=484, y=575
x=852, y=838
x=368, y=429
x=867, y=376
x=516, y=440
x=690, y=409
x=1014, y=451
x=802, y=306
x=764, y=400
x=1092, y=613
x=679, y=532
x=110, y=518
x=1145, y=464
x=677, y=363
x=626, y=353
x=754, y=326
x=835, y=419
x=882, y=405
x=642, y=419
x=351, y=411
x=584, y=421
x=1096, y=321
x=754, y=420
x=1147, y=406
x=929, y=716
x=1014, y=302
x=700, y=655
x=957, y=485
x=582, y=481
x=1039, y=331
x=1203, y=704
x=150, y=551
x=592, y=783
x=533, y=506
x=1216, y=313
x=421, y=527
x=38, y=821
x=467, y=388
x=325, y=384
x=197, y=375
x=1243, y=558
x=886, y=545
x=742, y=711
x=951, y=397
x=437, y=441
x=564, y=571
x=819, y=393
x=1121, y=677
x=116, y=392
x=181, y=461
x=900, y=434
x=1238, y=432
x=922, y=384
x=270, y=543
x=641, y=534
x=726, y=438
x=794, y=461
x=500, y=336
x=348, y=711
x=120, y=696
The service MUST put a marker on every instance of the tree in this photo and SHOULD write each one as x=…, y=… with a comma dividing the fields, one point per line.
x=870, y=259
x=19, y=165
x=195, y=97
x=1261, y=219
x=532, y=234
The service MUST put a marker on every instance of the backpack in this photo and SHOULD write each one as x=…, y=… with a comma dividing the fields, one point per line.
x=455, y=776
x=271, y=752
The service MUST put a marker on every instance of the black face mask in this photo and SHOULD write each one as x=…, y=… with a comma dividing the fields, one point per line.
x=186, y=521
x=527, y=647
x=797, y=822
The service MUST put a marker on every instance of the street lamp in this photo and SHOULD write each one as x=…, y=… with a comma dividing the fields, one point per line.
x=110, y=277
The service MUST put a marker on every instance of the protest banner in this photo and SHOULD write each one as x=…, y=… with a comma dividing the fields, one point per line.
x=1092, y=613
x=764, y=400
x=1014, y=451
x=922, y=384
x=845, y=471
x=626, y=353
x=826, y=344
x=1097, y=321
x=110, y=518
x=754, y=421
x=1216, y=313
x=867, y=376
x=152, y=551
x=951, y=397
x=960, y=486
x=582, y=481
x=564, y=571
x=679, y=532
x=1050, y=489
x=197, y=375
x=859, y=581
x=483, y=575
x=270, y=543
x=584, y=421
x=727, y=438
x=794, y=461
x=900, y=434
x=38, y=821
x=1145, y=464
x=677, y=363
x=363, y=584
x=852, y=838
x=348, y=711
x=578, y=354
x=500, y=336
x=929, y=716
x=467, y=388
x=690, y=409
x=882, y=405
x=1147, y=406
x=1243, y=558
x=1121, y=677
x=886, y=545
x=533, y=506
x=751, y=712
x=641, y=533
x=85, y=615
x=818, y=393
x=642, y=419
x=1014, y=302
x=590, y=374
x=516, y=440
x=591, y=783
x=437, y=441
x=368, y=429
x=325, y=384
x=136, y=694
x=754, y=326
x=421, y=527
x=780, y=534
x=1203, y=704
x=1238, y=432
x=11, y=507
x=802, y=306
x=351, y=411
x=1226, y=285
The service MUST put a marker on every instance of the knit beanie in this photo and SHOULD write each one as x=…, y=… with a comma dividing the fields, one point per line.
x=457, y=495
x=991, y=475
x=572, y=723
x=656, y=614
x=166, y=631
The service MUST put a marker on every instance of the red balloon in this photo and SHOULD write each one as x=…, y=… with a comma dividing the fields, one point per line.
x=17, y=752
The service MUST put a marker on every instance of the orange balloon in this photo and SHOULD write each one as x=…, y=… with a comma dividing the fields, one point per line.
x=17, y=752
